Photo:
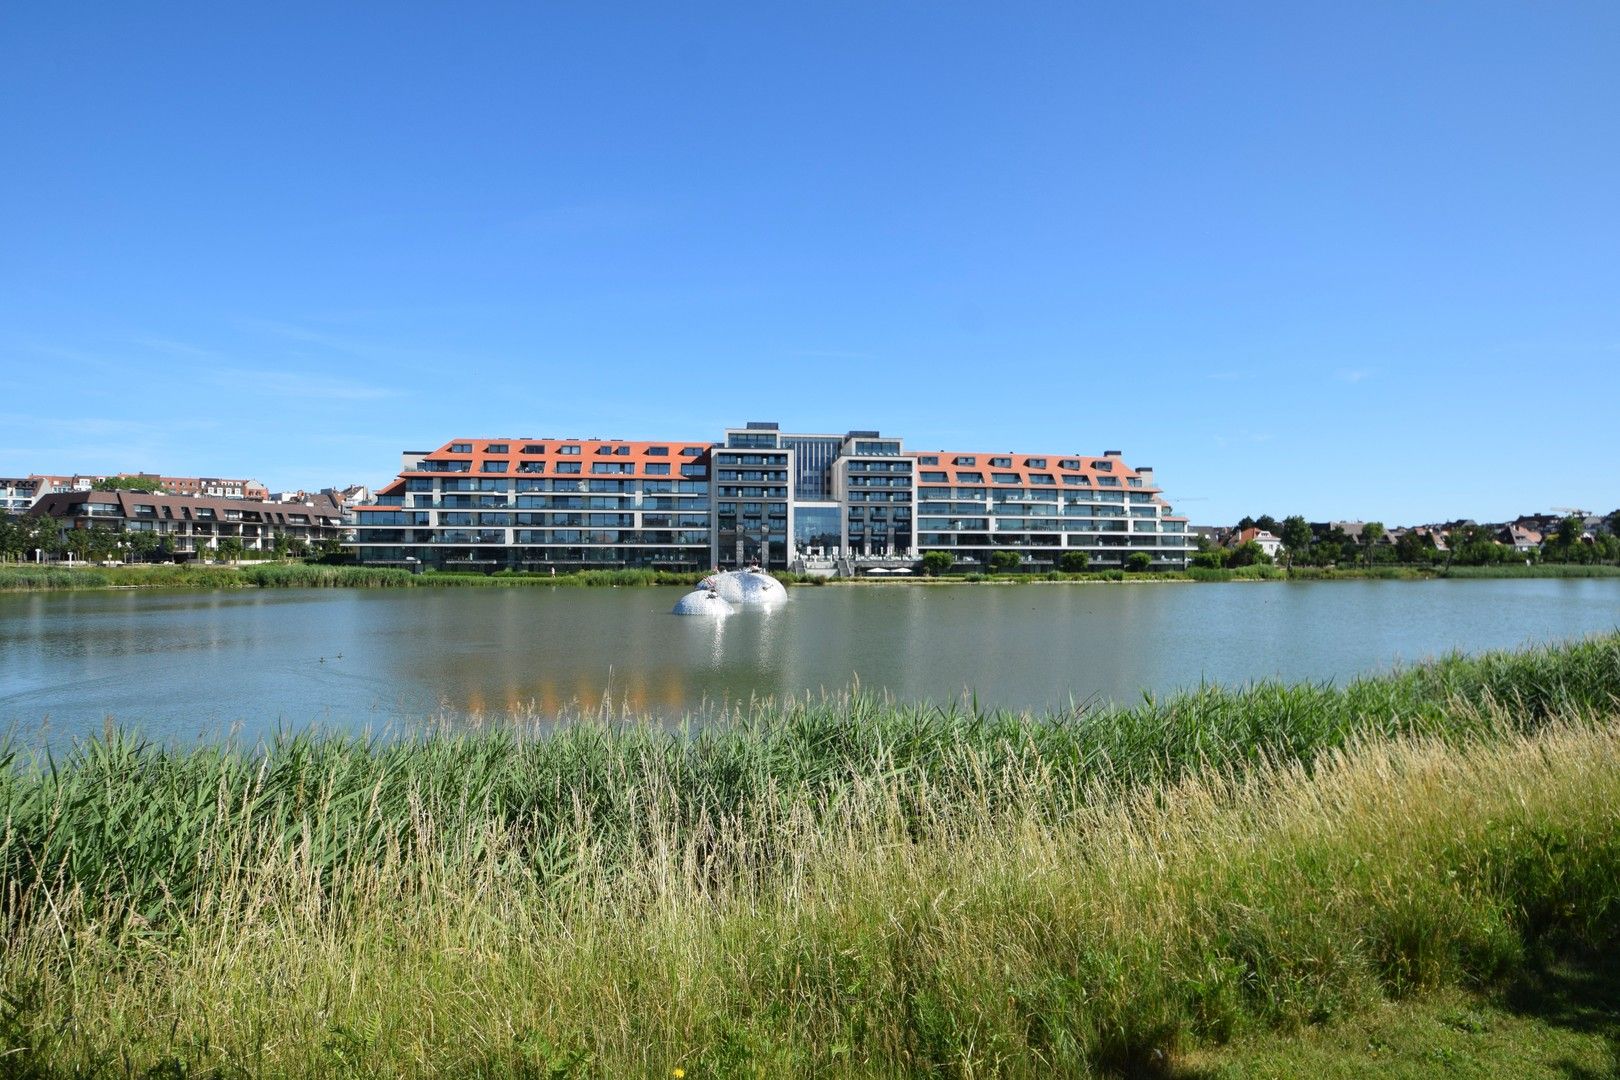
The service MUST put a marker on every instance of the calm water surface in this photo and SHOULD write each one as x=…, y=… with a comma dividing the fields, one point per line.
x=180, y=664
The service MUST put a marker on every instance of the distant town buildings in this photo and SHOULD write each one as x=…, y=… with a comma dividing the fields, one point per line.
x=18, y=494
x=831, y=502
x=188, y=526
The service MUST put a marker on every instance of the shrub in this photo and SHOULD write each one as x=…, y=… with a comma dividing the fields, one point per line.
x=1073, y=562
x=1005, y=561
x=935, y=563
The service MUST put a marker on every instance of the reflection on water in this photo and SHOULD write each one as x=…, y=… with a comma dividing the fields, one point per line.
x=183, y=663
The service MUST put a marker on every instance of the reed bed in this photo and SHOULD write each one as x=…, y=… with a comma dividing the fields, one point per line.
x=831, y=887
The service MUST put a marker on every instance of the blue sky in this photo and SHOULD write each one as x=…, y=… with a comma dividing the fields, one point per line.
x=1352, y=260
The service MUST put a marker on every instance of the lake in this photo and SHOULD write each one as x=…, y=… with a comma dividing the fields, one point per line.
x=179, y=664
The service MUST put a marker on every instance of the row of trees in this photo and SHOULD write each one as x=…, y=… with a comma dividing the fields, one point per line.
x=21, y=537
x=1467, y=545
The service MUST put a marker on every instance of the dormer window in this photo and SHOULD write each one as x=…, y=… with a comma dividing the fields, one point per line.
x=497, y=448
x=964, y=460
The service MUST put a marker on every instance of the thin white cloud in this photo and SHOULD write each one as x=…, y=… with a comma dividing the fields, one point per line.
x=1248, y=438
x=299, y=384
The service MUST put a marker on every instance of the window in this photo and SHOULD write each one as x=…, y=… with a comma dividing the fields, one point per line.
x=1004, y=477
x=1103, y=466
x=534, y=448
x=1070, y=463
x=692, y=451
x=622, y=451
x=1074, y=480
x=694, y=470
x=605, y=468
x=1001, y=463
x=531, y=466
x=602, y=450
x=1041, y=478
x=1035, y=463
x=970, y=477
x=928, y=459
x=658, y=451
x=964, y=461
x=933, y=477
x=461, y=448
x=656, y=468
x=497, y=448
x=568, y=466
x=494, y=466
x=569, y=451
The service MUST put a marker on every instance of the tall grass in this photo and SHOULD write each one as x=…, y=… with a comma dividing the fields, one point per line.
x=1540, y=570
x=830, y=887
x=302, y=575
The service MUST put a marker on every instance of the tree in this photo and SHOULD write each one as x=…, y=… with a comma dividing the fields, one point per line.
x=102, y=542
x=1138, y=561
x=1413, y=547
x=1266, y=522
x=1296, y=535
x=1372, y=533
x=142, y=545
x=935, y=563
x=1565, y=544
x=78, y=544
x=1074, y=562
x=1004, y=561
x=11, y=539
x=1246, y=522
x=230, y=549
x=128, y=483
x=1248, y=553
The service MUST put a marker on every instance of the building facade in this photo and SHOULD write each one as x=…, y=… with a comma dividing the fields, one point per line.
x=188, y=526
x=534, y=504
x=759, y=496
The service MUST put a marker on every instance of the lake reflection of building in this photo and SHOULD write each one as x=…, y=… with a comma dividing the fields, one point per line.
x=760, y=495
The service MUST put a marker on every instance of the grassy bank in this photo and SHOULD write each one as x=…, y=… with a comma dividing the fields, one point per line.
x=300, y=575
x=832, y=888
x=24, y=577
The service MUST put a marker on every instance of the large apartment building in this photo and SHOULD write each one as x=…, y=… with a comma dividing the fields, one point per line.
x=758, y=496
x=528, y=504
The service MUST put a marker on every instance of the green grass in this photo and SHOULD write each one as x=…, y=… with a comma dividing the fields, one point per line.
x=833, y=887
x=1540, y=570
x=301, y=575
x=23, y=577
x=1556, y=1019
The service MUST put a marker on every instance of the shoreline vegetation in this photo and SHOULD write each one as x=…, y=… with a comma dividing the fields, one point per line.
x=23, y=577
x=838, y=886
